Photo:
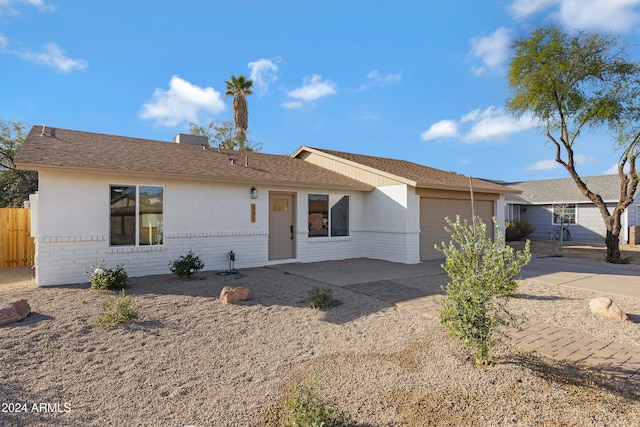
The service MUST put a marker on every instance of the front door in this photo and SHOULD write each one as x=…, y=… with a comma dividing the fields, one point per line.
x=281, y=226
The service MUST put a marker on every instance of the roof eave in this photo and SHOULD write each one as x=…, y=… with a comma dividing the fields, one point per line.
x=248, y=181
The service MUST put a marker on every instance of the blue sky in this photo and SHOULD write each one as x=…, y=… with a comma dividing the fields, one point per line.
x=414, y=80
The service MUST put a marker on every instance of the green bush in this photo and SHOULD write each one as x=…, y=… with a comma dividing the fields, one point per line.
x=320, y=298
x=307, y=408
x=481, y=282
x=518, y=230
x=108, y=278
x=187, y=265
x=118, y=310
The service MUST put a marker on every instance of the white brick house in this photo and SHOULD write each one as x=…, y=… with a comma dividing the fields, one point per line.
x=143, y=203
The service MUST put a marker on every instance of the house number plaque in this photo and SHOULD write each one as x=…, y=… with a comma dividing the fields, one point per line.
x=253, y=212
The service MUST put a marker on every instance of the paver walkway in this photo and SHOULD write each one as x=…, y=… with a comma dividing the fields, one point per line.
x=608, y=358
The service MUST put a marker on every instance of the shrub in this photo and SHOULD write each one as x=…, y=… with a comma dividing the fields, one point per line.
x=108, y=278
x=307, y=408
x=320, y=298
x=118, y=310
x=518, y=230
x=481, y=282
x=187, y=265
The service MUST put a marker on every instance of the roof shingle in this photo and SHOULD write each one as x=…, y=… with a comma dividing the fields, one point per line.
x=420, y=176
x=92, y=151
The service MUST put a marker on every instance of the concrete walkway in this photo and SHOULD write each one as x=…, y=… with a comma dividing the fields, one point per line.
x=374, y=278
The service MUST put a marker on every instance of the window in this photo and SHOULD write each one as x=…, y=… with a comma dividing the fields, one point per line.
x=328, y=215
x=565, y=213
x=136, y=215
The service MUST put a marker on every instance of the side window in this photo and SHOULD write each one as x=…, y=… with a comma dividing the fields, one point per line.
x=318, y=215
x=150, y=216
x=123, y=215
x=135, y=216
x=340, y=217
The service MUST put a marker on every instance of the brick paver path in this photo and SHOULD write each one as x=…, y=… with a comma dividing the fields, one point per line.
x=608, y=358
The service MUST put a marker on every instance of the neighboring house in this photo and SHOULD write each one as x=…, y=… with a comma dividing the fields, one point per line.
x=144, y=203
x=548, y=203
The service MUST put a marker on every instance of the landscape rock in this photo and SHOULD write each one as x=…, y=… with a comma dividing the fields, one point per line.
x=606, y=307
x=231, y=295
x=14, y=311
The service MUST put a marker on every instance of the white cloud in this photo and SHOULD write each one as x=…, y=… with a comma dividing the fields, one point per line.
x=492, y=50
x=613, y=170
x=441, y=129
x=490, y=124
x=263, y=74
x=7, y=6
x=313, y=89
x=292, y=105
x=495, y=124
x=375, y=79
x=601, y=15
x=182, y=102
x=543, y=165
x=53, y=56
x=524, y=8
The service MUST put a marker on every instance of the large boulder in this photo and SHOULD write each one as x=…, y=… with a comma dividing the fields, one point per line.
x=606, y=307
x=14, y=311
x=230, y=295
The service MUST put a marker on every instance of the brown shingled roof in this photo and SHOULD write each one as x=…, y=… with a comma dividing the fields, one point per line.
x=70, y=149
x=417, y=175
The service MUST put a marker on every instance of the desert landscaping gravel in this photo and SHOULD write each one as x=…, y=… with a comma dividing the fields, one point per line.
x=190, y=360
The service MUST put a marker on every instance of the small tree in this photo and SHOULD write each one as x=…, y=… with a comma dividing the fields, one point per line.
x=15, y=185
x=224, y=134
x=481, y=282
x=574, y=83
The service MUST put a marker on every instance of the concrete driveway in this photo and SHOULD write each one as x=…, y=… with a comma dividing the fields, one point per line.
x=574, y=272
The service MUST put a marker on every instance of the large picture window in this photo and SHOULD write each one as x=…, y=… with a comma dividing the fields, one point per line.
x=136, y=215
x=328, y=215
x=565, y=213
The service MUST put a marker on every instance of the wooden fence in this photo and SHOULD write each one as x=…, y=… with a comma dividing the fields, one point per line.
x=16, y=246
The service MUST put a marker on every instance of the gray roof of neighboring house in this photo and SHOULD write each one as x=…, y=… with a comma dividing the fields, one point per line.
x=564, y=190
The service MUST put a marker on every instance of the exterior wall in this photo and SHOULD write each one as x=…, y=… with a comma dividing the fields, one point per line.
x=210, y=219
x=72, y=213
x=391, y=226
x=589, y=225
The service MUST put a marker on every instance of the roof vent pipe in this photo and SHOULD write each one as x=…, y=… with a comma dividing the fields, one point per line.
x=44, y=128
x=246, y=162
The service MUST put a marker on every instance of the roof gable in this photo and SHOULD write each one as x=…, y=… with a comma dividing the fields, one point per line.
x=70, y=149
x=413, y=174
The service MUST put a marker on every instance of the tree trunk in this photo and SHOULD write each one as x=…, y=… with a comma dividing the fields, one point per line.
x=614, y=225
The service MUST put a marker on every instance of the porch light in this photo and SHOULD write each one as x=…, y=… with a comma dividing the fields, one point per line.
x=254, y=193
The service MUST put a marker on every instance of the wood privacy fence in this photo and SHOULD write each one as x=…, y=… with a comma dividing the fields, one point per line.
x=16, y=246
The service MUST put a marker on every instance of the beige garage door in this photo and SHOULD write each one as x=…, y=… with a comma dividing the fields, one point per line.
x=433, y=211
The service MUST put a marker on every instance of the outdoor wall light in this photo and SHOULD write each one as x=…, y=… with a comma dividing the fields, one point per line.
x=254, y=193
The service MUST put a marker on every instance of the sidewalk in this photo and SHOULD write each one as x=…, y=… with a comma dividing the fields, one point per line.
x=374, y=278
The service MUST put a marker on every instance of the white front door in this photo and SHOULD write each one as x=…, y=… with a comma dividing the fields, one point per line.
x=281, y=226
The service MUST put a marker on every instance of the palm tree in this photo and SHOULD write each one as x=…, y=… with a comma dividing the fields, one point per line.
x=239, y=87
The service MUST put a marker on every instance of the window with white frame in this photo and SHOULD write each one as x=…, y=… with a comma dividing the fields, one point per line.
x=564, y=213
x=135, y=217
x=328, y=215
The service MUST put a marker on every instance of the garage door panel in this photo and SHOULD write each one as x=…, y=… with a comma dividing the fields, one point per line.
x=433, y=212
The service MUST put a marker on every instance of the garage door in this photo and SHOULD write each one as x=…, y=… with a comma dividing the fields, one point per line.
x=433, y=211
